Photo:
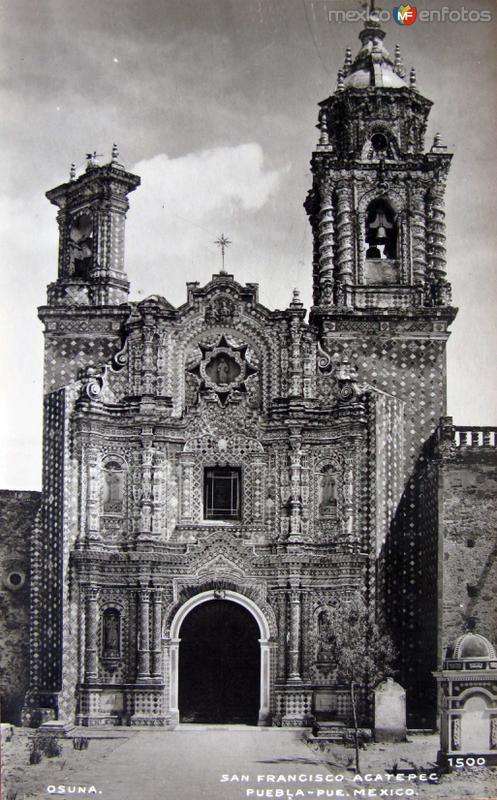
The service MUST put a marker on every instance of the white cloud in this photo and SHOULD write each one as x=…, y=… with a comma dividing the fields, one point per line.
x=184, y=203
x=175, y=215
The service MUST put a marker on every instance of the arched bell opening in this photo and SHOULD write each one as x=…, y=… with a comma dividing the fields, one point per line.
x=381, y=240
x=381, y=231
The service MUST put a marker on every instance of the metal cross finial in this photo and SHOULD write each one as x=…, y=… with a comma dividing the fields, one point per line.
x=223, y=242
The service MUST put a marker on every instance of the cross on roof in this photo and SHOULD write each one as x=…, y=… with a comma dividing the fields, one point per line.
x=223, y=242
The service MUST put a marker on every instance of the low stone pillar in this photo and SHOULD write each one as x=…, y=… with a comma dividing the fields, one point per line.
x=389, y=712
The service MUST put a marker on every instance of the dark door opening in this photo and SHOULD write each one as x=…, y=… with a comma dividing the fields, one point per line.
x=219, y=664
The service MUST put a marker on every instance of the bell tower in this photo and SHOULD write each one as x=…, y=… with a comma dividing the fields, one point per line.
x=91, y=218
x=376, y=205
x=86, y=304
x=380, y=292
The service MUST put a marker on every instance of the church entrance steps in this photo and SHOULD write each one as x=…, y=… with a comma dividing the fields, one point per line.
x=295, y=733
x=337, y=732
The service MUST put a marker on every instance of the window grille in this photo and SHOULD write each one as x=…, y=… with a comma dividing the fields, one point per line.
x=222, y=490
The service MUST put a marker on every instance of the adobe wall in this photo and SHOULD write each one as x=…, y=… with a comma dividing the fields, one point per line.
x=17, y=513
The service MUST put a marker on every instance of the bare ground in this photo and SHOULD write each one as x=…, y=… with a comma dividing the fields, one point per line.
x=190, y=762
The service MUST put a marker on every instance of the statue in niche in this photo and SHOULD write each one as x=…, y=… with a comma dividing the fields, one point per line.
x=223, y=370
x=111, y=633
x=113, y=489
x=327, y=492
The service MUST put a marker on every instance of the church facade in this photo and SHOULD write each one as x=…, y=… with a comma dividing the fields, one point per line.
x=218, y=477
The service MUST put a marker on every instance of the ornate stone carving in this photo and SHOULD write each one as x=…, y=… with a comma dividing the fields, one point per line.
x=220, y=311
x=223, y=369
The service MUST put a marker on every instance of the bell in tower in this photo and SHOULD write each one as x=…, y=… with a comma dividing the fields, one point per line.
x=376, y=206
x=381, y=231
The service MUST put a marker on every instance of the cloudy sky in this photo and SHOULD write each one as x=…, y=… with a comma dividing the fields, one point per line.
x=213, y=104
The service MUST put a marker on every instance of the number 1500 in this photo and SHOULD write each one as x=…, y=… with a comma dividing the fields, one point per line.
x=467, y=761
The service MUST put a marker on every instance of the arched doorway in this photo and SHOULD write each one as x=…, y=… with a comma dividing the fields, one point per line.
x=219, y=665
x=228, y=629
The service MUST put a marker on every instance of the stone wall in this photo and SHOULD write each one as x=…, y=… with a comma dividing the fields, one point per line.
x=410, y=563
x=468, y=525
x=17, y=514
x=440, y=558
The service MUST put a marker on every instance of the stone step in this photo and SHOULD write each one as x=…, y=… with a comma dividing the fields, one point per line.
x=335, y=731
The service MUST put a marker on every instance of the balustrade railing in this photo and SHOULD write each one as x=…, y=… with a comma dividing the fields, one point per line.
x=464, y=436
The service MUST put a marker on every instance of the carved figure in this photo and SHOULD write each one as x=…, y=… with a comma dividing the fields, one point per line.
x=222, y=371
x=113, y=497
x=327, y=492
x=111, y=632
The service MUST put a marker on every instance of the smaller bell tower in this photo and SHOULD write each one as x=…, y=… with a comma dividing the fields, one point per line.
x=87, y=304
x=91, y=218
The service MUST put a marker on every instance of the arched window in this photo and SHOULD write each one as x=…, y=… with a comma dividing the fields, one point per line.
x=113, y=488
x=381, y=231
x=111, y=633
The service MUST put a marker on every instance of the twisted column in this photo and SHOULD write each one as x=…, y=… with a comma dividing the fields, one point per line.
x=325, y=246
x=418, y=228
x=344, y=233
x=436, y=233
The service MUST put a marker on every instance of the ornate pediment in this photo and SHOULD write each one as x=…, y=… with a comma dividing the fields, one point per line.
x=219, y=566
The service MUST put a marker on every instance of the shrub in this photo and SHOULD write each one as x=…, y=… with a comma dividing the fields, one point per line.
x=49, y=745
x=81, y=743
x=35, y=754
